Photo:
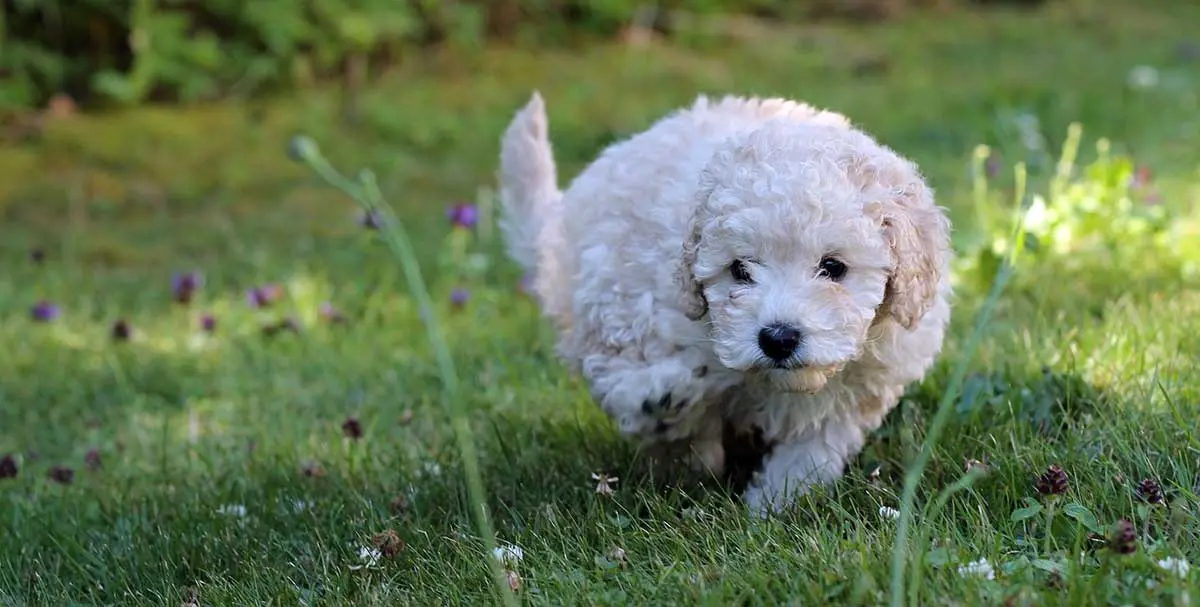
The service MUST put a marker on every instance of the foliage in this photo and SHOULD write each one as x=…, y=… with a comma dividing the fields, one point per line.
x=128, y=51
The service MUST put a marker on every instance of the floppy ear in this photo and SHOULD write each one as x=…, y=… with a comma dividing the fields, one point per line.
x=918, y=233
x=691, y=292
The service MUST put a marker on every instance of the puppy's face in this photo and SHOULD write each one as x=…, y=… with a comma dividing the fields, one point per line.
x=794, y=249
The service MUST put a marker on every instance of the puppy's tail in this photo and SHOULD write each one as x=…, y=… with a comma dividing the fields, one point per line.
x=531, y=217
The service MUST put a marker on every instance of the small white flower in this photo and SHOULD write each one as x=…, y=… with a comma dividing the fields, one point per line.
x=1177, y=566
x=617, y=554
x=369, y=557
x=980, y=568
x=508, y=554
x=301, y=505
x=888, y=512
x=232, y=510
x=604, y=483
x=1143, y=77
x=432, y=469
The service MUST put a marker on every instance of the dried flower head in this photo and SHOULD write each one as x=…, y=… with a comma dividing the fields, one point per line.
x=8, y=466
x=352, y=428
x=1123, y=538
x=1053, y=481
x=184, y=286
x=44, y=311
x=92, y=459
x=1150, y=491
x=463, y=215
x=121, y=331
x=604, y=483
x=388, y=543
x=62, y=475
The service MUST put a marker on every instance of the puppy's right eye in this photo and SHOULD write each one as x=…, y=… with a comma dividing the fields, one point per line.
x=740, y=272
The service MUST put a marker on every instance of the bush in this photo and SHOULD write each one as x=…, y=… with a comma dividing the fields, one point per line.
x=128, y=51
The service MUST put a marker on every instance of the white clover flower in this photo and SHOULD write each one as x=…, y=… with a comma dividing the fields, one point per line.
x=232, y=510
x=1174, y=565
x=1143, y=77
x=888, y=512
x=508, y=554
x=981, y=568
x=369, y=557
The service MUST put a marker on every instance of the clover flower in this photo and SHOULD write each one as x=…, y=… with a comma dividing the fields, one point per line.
x=463, y=215
x=184, y=286
x=44, y=311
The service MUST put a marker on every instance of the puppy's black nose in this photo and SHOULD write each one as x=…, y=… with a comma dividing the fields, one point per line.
x=779, y=341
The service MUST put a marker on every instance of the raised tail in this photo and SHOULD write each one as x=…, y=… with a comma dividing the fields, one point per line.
x=531, y=217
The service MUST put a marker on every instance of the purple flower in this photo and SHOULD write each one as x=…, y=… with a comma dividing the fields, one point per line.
x=208, y=323
x=331, y=314
x=463, y=215
x=261, y=297
x=44, y=311
x=369, y=220
x=183, y=286
x=92, y=459
x=459, y=297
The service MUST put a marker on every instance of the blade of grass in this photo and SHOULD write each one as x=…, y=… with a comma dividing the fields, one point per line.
x=365, y=192
x=912, y=477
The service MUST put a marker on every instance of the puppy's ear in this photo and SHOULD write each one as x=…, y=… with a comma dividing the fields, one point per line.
x=691, y=292
x=919, y=235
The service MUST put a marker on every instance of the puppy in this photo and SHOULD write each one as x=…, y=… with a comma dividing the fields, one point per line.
x=744, y=263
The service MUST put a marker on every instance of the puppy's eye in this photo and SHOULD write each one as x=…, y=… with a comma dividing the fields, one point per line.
x=831, y=268
x=740, y=272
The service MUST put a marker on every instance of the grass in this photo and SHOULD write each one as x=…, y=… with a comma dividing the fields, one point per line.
x=218, y=467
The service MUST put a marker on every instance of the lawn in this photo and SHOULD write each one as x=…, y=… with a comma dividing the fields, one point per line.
x=282, y=438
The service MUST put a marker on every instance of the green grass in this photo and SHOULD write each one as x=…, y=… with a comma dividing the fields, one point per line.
x=1089, y=361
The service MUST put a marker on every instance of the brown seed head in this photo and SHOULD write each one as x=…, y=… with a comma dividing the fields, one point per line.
x=1123, y=538
x=62, y=475
x=388, y=543
x=1053, y=481
x=8, y=466
x=352, y=428
x=1150, y=491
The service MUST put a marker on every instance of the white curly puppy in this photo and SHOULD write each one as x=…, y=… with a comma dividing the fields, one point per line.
x=748, y=263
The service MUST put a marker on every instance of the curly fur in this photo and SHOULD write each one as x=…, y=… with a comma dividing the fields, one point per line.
x=632, y=264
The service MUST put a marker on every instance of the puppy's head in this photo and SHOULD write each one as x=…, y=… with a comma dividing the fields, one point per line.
x=804, y=236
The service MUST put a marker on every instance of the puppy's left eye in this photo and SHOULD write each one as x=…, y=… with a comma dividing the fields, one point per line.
x=831, y=268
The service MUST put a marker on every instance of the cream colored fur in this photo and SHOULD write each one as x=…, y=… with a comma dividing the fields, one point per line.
x=632, y=264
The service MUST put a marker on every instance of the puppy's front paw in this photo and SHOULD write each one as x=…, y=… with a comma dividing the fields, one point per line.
x=659, y=401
